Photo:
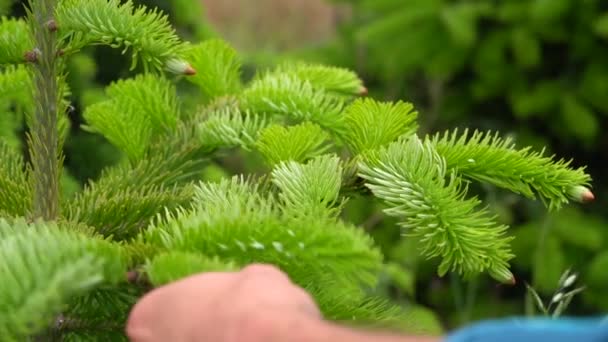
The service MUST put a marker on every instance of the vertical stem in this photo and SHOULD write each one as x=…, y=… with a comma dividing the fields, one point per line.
x=44, y=138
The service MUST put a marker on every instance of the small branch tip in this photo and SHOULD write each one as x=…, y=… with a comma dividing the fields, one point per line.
x=363, y=91
x=588, y=196
x=51, y=25
x=32, y=56
x=132, y=277
x=190, y=71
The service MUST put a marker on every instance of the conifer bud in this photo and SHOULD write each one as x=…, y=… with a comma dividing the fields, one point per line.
x=581, y=194
x=180, y=67
x=503, y=275
x=363, y=91
x=133, y=277
x=32, y=55
x=51, y=25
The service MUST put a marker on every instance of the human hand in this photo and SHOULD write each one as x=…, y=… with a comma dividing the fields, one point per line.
x=259, y=303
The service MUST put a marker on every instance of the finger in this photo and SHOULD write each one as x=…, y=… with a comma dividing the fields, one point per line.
x=265, y=270
x=274, y=289
x=177, y=303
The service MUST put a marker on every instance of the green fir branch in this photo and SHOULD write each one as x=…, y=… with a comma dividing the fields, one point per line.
x=137, y=111
x=412, y=179
x=15, y=188
x=370, y=312
x=311, y=189
x=17, y=100
x=298, y=143
x=117, y=202
x=487, y=157
x=333, y=80
x=16, y=89
x=233, y=221
x=15, y=41
x=123, y=213
x=171, y=266
x=105, y=308
x=218, y=69
x=229, y=127
x=130, y=132
x=147, y=32
x=126, y=198
x=290, y=97
x=152, y=94
x=96, y=334
x=60, y=264
x=371, y=124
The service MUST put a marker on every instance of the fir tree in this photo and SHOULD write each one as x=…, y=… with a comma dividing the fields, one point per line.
x=71, y=268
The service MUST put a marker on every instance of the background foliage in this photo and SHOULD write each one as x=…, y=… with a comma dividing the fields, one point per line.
x=535, y=69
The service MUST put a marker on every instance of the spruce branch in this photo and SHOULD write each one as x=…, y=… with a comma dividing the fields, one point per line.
x=333, y=80
x=233, y=221
x=311, y=189
x=44, y=138
x=11, y=121
x=171, y=266
x=371, y=124
x=15, y=189
x=105, y=308
x=147, y=32
x=138, y=110
x=16, y=84
x=123, y=213
x=298, y=143
x=229, y=127
x=127, y=129
x=15, y=41
x=412, y=179
x=17, y=99
x=118, y=202
x=218, y=68
x=487, y=157
x=153, y=94
x=290, y=97
x=364, y=311
x=61, y=264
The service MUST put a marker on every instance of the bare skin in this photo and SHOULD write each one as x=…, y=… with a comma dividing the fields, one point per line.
x=257, y=304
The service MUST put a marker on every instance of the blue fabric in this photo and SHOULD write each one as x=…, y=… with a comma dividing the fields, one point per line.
x=534, y=330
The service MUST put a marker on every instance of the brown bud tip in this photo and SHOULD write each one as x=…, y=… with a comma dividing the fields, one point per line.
x=51, y=25
x=588, y=196
x=190, y=71
x=31, y=56
x=581, y=194
x=363, y=91
x=132, y=276
x=512, y=281
x=60, y=52
x=180, y=67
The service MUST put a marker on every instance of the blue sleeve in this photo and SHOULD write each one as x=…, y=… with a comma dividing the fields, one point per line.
x=533, y=330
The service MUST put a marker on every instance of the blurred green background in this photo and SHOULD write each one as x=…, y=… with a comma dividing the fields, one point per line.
x=536, y=70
